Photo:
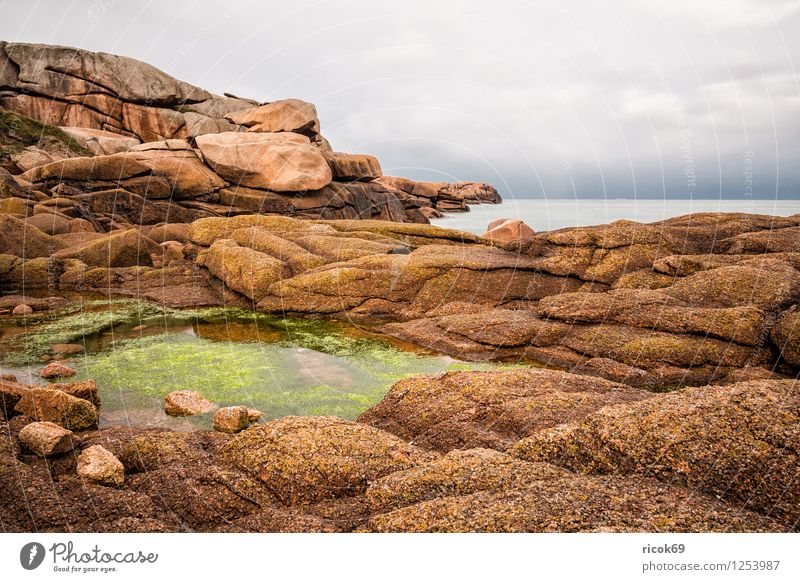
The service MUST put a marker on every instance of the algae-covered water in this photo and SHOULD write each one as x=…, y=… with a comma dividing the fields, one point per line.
x=138, y=352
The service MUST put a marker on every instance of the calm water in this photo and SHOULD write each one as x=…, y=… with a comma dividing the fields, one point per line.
x=554, y=214
x=278, y=365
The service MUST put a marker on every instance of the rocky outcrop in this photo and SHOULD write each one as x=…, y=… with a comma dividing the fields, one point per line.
x=736, y=442
x=461, y=410
x=172, y=152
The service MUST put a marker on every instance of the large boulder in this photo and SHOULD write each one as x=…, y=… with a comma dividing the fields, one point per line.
x=353, y=167
x=59, y=407
x=124, y=249
x=306, y=459
x=460, y=410
x=285, y=115
x=283, y=162
x=737, y=442
x=101, y=142
x=508, y=230
x=57, y=71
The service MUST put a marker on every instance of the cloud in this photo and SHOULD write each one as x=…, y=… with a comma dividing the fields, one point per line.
x=552, y=98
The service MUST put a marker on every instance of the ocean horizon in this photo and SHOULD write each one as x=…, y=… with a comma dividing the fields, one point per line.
x=543, y=215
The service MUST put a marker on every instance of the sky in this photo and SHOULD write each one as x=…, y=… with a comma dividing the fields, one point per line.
x=543, y=99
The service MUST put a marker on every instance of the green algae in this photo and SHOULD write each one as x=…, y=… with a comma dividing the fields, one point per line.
x=138, y=352
x=277, y=378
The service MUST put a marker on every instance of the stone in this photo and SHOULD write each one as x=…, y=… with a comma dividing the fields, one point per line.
x=462, y=410
x=307, y=459
x=286, y=115
x=508, y=230
x=187, y=403
x=59, y=407
x=231, y=419
x=282, y=162
x=51, y=224
x=56, y=370
x=22, y=310
x=254, y=415
x=737, y=442
x=46, y=438
x=123, y=249
x=84, y=389
x=353, y=167
x=98, y=464
x=101, y=142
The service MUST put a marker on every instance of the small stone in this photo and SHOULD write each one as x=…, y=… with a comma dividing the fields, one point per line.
x=22, y=309
x=56, y=370
x=46, y=438
x=232, y=419
x=8, y=377
x=254, y=415
x=98, y=464
x=187, y=403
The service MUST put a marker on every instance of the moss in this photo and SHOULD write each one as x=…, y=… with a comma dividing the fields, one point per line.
x=18, y=132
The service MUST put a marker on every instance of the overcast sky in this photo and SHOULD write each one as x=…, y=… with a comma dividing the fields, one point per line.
x=615, y=98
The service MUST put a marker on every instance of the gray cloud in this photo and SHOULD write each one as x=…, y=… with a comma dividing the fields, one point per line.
x=620, y=98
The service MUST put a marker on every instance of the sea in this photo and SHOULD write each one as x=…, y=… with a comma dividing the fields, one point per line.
x=543, y=215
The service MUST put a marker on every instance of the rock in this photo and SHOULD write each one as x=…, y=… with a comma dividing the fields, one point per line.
x=59, y=407
x=507, y=230
x=657, y=310
x=282, y=162
x=85, y=389
x=737, y=442
x=456, y=473
x=286, y=115
x=22, y=310
x=778, y=240
x=575, y=503
x=46, y=438
x=461, y=410
x=55, y=370
x=23, y=240
x=242, y=269
x=55, y=71
x=231, y=419
x=124, y=249
x=786, y=336
x=51, y=224
x=306, y=459
x=100, y=142
x=254, y=415
x=166, y=232
x=353, y=167
x=99, y=465
x=766, y=284
x=187, y=403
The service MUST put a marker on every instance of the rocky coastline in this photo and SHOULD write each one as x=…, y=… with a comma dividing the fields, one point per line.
x=657, y=384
